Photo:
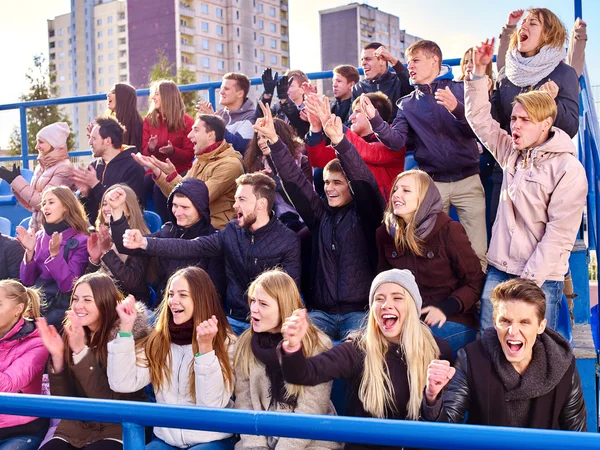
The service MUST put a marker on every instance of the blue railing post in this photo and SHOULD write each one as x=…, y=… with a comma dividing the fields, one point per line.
x=578, y=9
x=134, y=437
x=24, y=142
x=212, y=97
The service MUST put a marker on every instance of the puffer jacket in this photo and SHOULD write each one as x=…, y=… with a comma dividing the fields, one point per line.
x=11, y=255
x=545, y=189
x=344, y=253
x=219, y=169
x=125, y=375
x=22, y=362
x=183, y=148
x=54, y=169
x=551, y=390
x=247, y=254
x=88, y=378
x=238, y=125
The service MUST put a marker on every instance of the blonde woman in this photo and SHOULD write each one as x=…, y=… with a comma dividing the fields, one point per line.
x=259, y=386
x=385, y=364
x=186, y=358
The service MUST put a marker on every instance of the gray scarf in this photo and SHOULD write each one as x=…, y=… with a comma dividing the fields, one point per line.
x=525, y=71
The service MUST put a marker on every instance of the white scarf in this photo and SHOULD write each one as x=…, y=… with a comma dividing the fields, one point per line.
x=523, y=71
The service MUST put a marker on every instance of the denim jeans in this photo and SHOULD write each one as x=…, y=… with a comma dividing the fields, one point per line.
x=21, y=443
x=337, y=326
x=552, y=289
x=225, y=444
x=456, y=334
x=237, y=326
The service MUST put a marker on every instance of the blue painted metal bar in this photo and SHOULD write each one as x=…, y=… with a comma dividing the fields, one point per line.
x=341, y=429
x=578, y=9
x=134, y=436
x=24, y=133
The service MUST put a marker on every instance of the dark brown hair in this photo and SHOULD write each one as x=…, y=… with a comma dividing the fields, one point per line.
x=172, y=108
x=348, y=72
x=522, y=290
x=109, y=127
x=243, y=82
x=213, y=123
x=253, y=154
x=380, y=101
x=263, y=186
x=127, y=114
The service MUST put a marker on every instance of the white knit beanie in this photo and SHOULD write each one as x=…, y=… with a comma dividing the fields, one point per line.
x=56, y=134
x=404, y=278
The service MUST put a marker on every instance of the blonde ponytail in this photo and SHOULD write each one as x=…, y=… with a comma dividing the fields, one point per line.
x=33, y=309
x=29, y=297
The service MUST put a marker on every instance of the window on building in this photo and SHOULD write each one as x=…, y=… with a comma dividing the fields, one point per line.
x=205, y=27
x=61, y=66
x=393, y=31
x=273, y=59
x=220, y=47
x=378, y=26
x=204, y=8
x=220, y=30
x=61, y=78
x=100, y=45
x=260, y=7
x=255, y=68
x=219, y=12
x=101, y=58
x=110, y=32
x=205, y=45
x=122, y=53
x=111, y=56
x=261, y=24
x=273, y=28
x=255, y=53
x=205, y=78
x=272, y=12
x=239, y=67
x=61, y=55
x=109, y=19
x=273, y=43
x=255, y=36
x=254, y=19
x=262, y=57
x=111, y=80
x=99, y=22
x=122, y=66
x=121, y=16
x=238, y=32
x=111, y=68
x=100, y=70
x=221, y=65
x=122, y=41
x=100, y=33
x=122, y=78
x=60, y=43
x=206, y=62
x=101, y=82
x=385, y=28
x=238, y=49
x=59, y=32
x=261, y=40
x=111, y=44
x=52, y=45
x=122, y=29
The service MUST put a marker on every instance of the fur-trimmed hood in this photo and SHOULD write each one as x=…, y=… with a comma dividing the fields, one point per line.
x=141, y=327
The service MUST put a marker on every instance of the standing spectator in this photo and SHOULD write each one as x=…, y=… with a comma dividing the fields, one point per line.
x=374, y=60
x=56, y=255
x=122, y=103
x=417, y=235
x=544, y=187
x=11, y=254
x=54, y=169
x=259, y=384
x=78, y=361
x=432, y=117
x=22, y=361
x=345, y=77
x=113, y=165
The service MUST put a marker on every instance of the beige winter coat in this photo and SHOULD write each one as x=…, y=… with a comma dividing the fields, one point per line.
x=541, y=202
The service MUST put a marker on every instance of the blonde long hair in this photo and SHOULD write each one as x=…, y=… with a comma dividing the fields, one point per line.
x=376, y=391
x=29, y=297
x=280, y=286
x=171, y=106
x=554, y=33
x=404, y=232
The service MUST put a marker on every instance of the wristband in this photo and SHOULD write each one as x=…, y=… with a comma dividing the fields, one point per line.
x=198, y=354
x=125, y=334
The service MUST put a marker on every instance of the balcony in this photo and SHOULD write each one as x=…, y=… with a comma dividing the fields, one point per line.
x=187, y=48
x=186, y=10
x=186, y=29
x=284, y=6
x=189, y=66
x=284, y=22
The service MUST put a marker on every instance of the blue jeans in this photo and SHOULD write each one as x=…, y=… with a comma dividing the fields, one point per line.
x=225, y=444
x=552, y=289
x=237, y=326
x=21, y=443
x=337, y=326
x=456, y=334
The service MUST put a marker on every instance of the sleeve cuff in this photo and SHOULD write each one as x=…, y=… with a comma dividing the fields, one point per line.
x=450, y=306
x=77, y=358
x=431, y=413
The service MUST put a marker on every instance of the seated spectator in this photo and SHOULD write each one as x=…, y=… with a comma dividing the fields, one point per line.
x=56, y=255
x=432, y=117
x=250, y=244
x=54, y=169
x=78, y=360
x=22, y=364
x=385, y=363
x=113, y=165
x=344, y=79
x=344, y=256
x=382, y=161
x=216, y=163
x=186, y=358
x=190, y=218
x=122, y=104
x=519, y=374
x=417, y=235
x=11, y=254
x=374, y=59
x=238, y=110
x=543, y=190
x=259, y=384
x=131, y=273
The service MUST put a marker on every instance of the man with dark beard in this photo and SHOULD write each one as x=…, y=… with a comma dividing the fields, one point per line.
x=250, y=244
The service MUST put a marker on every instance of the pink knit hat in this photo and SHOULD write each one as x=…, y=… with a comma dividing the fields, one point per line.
x=56, y=134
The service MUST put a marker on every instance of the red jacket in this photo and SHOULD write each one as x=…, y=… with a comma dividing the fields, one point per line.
x=183, y=148
x=384, y=163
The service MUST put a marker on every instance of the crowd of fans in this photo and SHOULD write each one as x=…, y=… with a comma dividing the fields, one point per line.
x=297, y=250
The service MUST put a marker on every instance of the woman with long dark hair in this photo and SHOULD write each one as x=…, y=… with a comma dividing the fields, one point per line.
x=122, y=103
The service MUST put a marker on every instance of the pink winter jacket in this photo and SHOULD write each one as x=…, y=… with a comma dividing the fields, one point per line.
x=541, y=204
x=54, y=169
x=22, y=361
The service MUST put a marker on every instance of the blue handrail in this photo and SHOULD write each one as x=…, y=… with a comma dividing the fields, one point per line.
x=135, y=415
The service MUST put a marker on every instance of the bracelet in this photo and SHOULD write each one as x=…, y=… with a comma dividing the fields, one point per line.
x=198, y=354
x=125, y=334
x=93, y=263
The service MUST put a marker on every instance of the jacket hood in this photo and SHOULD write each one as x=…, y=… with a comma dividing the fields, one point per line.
x=429, y=210
x=445, y=74
x=141, y=327
x=20, y=330
x=559, y=142
x=197, y=192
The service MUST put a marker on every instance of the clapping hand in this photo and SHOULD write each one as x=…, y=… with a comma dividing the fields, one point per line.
x=167, y=149
x=75, y=332
x=152, y=143
x=53, y=343
x=334, y=130
x=205, y=108
x=54, y=244
x=26, y=238
x=127, y=313
x=85, y=177
x=282, y=88
x=205, y=334
x=294, y=329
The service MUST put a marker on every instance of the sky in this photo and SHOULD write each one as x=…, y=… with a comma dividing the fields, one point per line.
x=455, y=28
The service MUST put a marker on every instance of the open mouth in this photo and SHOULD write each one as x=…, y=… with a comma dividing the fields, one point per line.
x=388, y=321
x=177, y=311
x=333, y=195
x=514, y=346
x=240, y=216
x=516, y=138
x=412, y=73
x=81, y=314
x=399, y=204
x=255, y=320
x=523, y=37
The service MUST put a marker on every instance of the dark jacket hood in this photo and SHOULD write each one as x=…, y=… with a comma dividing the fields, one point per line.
x=197, y=192
x=427, y=213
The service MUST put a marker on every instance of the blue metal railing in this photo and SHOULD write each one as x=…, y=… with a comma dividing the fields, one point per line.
x=134, y=416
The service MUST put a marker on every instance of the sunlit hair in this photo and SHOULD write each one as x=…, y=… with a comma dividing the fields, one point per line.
x=242, y=81
x=206, y=303
x=106, y=297
x=539, y=105
x=348, y=72
x=132, y=211
x=488, y=69
x=376, y=391
x=171, y=106
x=334, y=166
x=554, y=33
x=75, y=214
x=127, y=113
x=519, y=289
x=29, y=297
x=405, y=232
x=253, y=157
x=281, y=287
x=429, y=49
x=297, y=75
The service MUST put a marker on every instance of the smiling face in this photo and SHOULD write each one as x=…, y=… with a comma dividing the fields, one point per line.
x=389, y=308
x=517, y=325
x=84, y=305
x=264, y=311
x=180, y=300
x=423, y=69
x=405, y=197
x=373, y=66
x=526, y=133
x=111, y=100
x=42, y=146
x=337, y=189
x=52, y=208
x=246, y=206
x=155, y=96
x=530, y=34
x=200, y=137
x=360, y=123
x=184, y=211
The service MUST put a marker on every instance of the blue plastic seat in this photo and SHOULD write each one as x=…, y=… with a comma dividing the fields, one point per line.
x=6, y=195
x=153, y=221
x=25, y=222
x=564, y=321
x=5, y=226
x=27, y=174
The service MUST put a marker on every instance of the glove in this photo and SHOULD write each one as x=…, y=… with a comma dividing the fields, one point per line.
x=269, y=81
x=10, y=175
x=282, y=87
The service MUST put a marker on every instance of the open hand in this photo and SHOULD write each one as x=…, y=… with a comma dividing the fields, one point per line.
x=205, y=108
x=152, y=143
x=93, y=249
x=75, y=332
x=269, y=81
x=483, y=55
x=85, y=177
x=53, y=342
x=367, y=107
x=434, y=316
x=514, y=17
x=54, y=244
x=334, y=130
x=147, y=162
x=167, y=149
x=26, y=238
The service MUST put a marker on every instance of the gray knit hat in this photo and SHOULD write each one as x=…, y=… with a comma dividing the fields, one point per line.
x=404, y=278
